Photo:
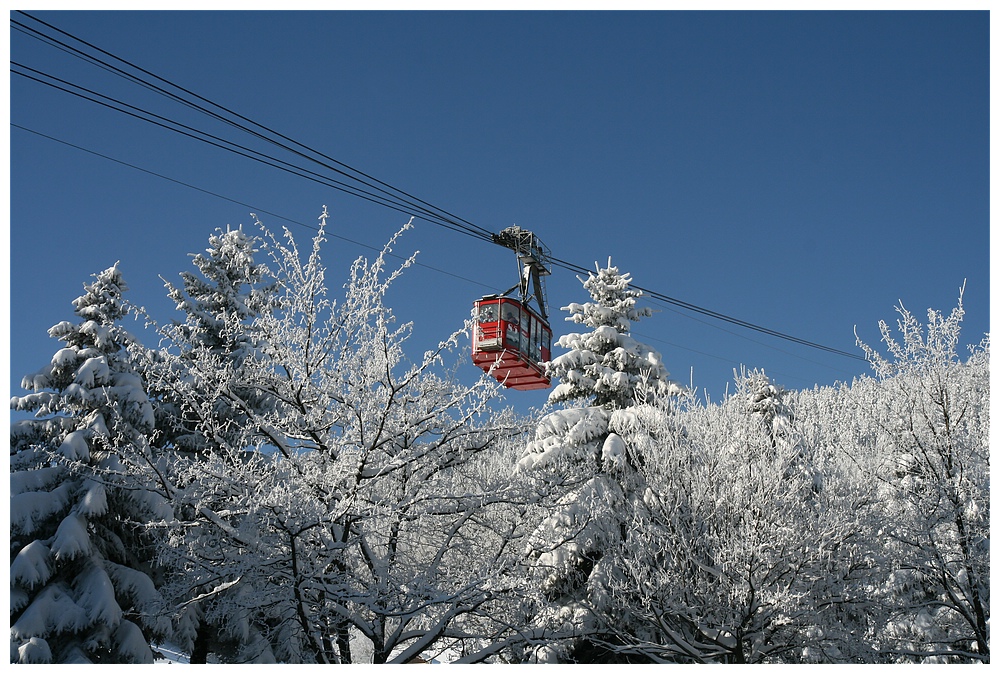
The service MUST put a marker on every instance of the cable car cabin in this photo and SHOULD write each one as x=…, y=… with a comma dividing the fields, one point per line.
x=510, y=343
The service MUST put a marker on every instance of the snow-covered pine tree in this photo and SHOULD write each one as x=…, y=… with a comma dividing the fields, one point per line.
x=606, y=366
x=207, y=384
x=83, y=487
x=212, y=345
x=768, y=402
x=604, y=377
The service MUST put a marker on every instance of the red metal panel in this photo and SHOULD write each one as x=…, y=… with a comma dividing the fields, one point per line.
x=501, y=344
x=511, y=369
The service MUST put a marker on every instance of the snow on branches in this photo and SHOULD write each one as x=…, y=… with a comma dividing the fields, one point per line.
x=278, y=480
x=81, y=493
x=596, y=472
x=328, y=503
x=607, y=364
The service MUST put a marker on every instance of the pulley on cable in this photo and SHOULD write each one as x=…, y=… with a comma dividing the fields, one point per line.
x=512, y=339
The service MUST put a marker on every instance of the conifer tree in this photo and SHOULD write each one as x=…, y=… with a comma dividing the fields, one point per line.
x=766, y=401
x=604, y=377
x=206, y=383
x=606, y=366
x=214, y=344
x=83, y=477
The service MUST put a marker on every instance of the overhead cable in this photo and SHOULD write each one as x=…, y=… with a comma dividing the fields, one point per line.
x=254, y=209
x=384, y=194
x=229, y=146
x=455, y=221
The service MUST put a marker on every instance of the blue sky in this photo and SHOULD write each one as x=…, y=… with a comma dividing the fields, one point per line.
x=802, y=171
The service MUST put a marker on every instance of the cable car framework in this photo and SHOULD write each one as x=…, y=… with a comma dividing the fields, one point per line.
x=512, y=339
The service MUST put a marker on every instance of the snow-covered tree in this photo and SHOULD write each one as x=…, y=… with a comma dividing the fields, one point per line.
x=84, y=485
x=766, y=401
x=933, y=418
x=754, y=545
x=580, y=456
x=606, y=366
x=840, y=448
x=200, y=383
x=217, y=336
x=852, y=531
x=355, y=520
x=716, y=570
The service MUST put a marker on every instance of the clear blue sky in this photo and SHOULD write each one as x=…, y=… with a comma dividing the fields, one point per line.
x=800, y=171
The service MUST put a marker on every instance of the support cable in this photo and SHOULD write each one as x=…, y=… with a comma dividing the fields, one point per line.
x=229, y=146
x=411, y=205
x=254, y=209
x=452, y=219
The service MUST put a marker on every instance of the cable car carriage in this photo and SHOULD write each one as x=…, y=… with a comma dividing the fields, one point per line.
x=511, y=339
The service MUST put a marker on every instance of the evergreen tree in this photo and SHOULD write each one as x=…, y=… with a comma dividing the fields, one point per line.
x=606, y=366
x=82, y=490
x=214, y=344
x=605, y=377
x=206, y=384
x=767, y=402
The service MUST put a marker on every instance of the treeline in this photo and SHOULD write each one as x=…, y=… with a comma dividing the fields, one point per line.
x=278, y=480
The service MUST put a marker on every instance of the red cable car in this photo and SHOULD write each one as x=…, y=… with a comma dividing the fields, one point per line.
x=512, y=340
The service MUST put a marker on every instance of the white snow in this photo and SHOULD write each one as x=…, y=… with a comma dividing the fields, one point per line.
x=131, y=643
x=97, y=594
x=613, y=452
x=30, y=508
x=74, y=446
x=64, y=357
x=71, y=538
x=93, y=371
x=31, y=566
x=95, y=499
x=53, y=610
x=34, y=480
x=34, y=651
